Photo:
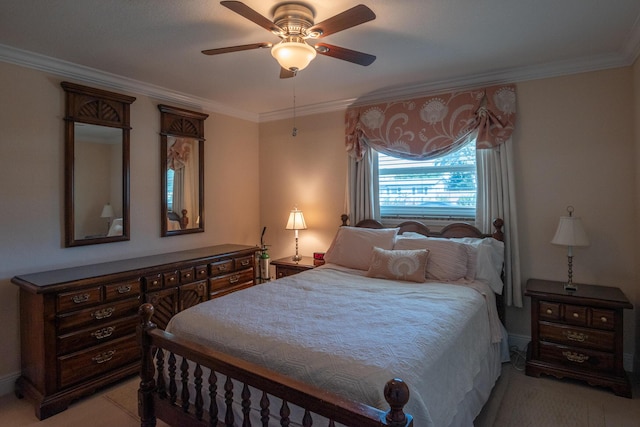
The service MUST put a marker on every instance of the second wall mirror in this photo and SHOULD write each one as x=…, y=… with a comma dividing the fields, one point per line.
x=181, y=170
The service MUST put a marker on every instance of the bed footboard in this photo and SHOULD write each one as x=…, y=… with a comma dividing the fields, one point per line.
x=178, y=377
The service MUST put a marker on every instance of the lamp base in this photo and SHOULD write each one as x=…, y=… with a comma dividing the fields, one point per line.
x=570, y=287
x=296, y=258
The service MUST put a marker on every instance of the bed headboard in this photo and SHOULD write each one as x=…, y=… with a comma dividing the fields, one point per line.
x=453, y=230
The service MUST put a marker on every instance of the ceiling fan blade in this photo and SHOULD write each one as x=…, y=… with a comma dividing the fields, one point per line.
x=236, y=48
x=349, y=18
x=345, y=54
x=246, y=12
x=286, y=74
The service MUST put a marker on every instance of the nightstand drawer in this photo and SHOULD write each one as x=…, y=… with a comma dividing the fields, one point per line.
x=549, y=310
x=577, y=336
x=575, y=314
x=603, y=319
x=579, y=358
x=221, y=267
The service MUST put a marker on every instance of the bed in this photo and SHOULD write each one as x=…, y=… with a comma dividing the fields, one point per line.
x=395, y=329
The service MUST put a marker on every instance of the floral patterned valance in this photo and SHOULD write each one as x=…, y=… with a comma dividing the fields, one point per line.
x=178, y=152
x=432, y=126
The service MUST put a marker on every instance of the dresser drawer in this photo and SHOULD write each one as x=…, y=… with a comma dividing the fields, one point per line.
x=187, y=275
x=97, y=360
x=221, y=267
x=577, y=358
x=577, y=336
x=88, y=337
x=202, y=272
x=97, y=316
x=152, y=282
x=170, y=279
x=230, y=281
x=244, y=262
x=115, y=291
x=78, y=299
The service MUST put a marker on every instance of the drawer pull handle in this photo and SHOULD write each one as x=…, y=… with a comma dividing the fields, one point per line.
x=188, y=275
x=549, y=311
x=245, y=262
x=234, y=279
x=576, y=315
x=604, y=319
x=103, y=333
x=575, y=336
x=104, y=357
x=79, y=299
x=575, y=357
x=103, y=314
x=202, y=272
x=124, y=289
x=222, y=267
x=172, y=279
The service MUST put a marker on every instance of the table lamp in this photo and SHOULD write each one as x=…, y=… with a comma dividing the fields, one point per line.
x=570, y=233
x=295, y=223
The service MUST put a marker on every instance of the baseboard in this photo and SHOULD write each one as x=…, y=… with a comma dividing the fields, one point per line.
x=521, y=342
x=7, y=383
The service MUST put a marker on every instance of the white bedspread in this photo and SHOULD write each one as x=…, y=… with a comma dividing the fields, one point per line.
x=350, y=334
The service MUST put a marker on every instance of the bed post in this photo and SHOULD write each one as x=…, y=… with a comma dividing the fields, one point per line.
x=146, y=409
x=396, y=393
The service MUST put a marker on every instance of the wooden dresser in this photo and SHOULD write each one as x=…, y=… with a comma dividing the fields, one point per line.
x=78, y=325
x=578, y=334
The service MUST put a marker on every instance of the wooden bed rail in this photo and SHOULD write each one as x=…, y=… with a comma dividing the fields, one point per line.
x=170, y=399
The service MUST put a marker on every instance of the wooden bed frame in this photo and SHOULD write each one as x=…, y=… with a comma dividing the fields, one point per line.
x=169, y=400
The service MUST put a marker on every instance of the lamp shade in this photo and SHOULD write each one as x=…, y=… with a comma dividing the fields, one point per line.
x=570, y=232
x=107, y=211
x=293, y=54
x=296, y=221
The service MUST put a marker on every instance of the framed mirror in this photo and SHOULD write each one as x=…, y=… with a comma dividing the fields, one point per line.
x=96, y=165
x=181, y=171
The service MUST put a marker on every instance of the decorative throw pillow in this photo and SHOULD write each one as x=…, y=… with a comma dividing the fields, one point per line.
x=448, y=261
x=352, y=246
x=408, y=265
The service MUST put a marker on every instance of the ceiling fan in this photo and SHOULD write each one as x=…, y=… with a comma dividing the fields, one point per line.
x=293, y=23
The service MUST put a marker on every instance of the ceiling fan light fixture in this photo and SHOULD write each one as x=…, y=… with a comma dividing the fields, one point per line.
x=293, y=54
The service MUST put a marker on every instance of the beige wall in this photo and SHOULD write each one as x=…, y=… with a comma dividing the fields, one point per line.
x=32, y=183
x=574, y=145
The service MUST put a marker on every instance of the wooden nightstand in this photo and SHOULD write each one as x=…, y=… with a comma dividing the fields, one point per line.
x=288, y=267
x=577, y=334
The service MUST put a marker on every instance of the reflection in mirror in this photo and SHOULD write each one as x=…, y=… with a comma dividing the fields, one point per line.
x=96, y=165
x=97, y=181
x=182, y=174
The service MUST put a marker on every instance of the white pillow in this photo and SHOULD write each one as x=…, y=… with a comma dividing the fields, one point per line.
x=489, y=257
x=490, y=260
x=407, y=265
x=448, y=261
x=352, y=246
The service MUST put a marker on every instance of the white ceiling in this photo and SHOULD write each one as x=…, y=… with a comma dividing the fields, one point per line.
x=421, y=46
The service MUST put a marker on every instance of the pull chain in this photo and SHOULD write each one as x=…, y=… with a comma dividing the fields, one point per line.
x=295, y=129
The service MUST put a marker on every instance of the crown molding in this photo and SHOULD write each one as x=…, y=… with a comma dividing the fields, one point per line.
x=88, y=75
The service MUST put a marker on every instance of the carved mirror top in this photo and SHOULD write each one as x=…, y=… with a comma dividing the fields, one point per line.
x=96, y=106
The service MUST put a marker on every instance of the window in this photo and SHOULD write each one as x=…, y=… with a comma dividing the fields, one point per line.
x=439, y=188
x=170, y=174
